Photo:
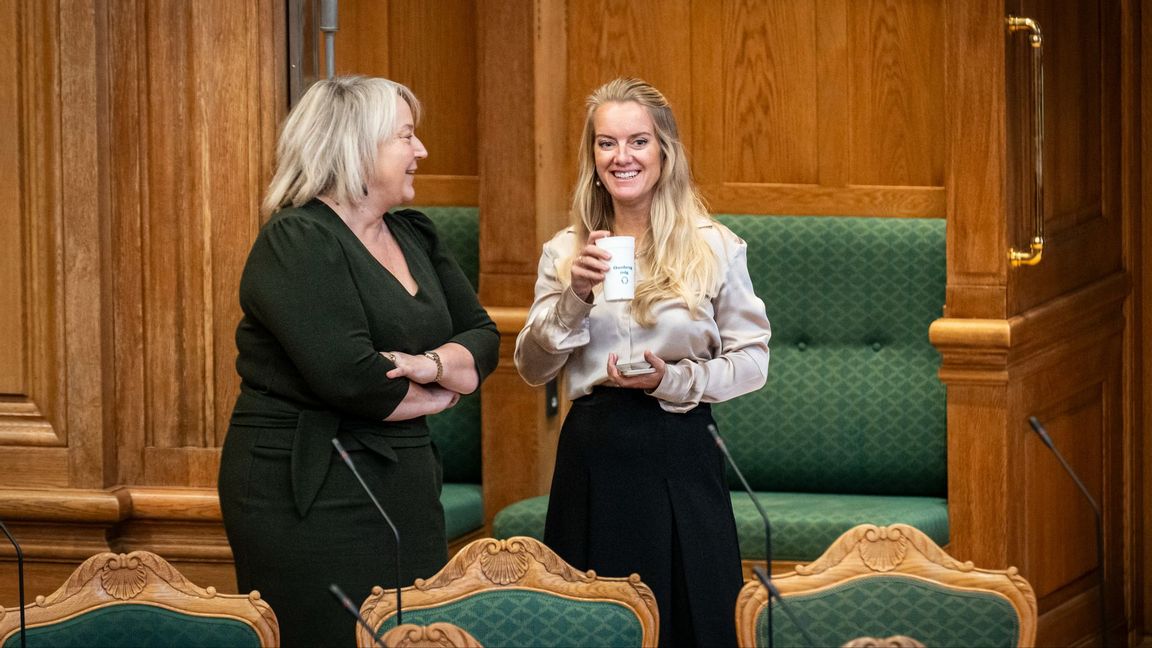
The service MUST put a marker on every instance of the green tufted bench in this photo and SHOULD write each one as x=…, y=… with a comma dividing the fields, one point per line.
x=850, y=427
x=456, y=432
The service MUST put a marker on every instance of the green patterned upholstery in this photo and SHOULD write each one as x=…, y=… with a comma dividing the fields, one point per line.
x=459, y=229
x=131, y=624
x=456, y=432
x=523, y=518
x=852, y=404
x=521, y=617
x=803, y=524
x=463, y=508
x=882, y=606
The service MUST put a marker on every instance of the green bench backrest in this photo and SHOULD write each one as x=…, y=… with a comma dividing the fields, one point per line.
x=456, y=432
x=140, y=625
x=853, y=403
x=514, y=617
x=883, y=606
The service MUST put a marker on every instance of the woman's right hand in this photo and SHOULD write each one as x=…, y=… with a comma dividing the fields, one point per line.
x=423, y=400
x=442, y=398
x=590, y=266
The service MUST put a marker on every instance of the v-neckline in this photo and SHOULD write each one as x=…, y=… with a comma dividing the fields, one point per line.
x=365, y=250
x=403, y=255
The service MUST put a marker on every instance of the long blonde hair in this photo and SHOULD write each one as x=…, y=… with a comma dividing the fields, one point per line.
x=678, y=262
x=329, y=141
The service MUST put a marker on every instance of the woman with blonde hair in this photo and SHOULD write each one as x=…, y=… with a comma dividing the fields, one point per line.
x=356, y=325
x=639, y=485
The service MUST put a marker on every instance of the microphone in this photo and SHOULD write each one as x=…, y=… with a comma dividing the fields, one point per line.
x=1043, y=434
x=19, y=581
x=348, y=605
x=329, y=24
x=760, y=509
x=766, y=581
x=329, y=16
x=348, y=460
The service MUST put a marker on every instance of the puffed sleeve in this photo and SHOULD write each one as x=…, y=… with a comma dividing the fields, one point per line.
x=298, y=285
x=741, y=365
x=472, y=328
x=557, y=322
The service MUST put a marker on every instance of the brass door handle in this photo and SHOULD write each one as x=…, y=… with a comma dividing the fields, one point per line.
x=1032, y=255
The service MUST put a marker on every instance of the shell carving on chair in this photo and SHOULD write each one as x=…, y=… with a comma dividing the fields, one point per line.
x=884, y=552
x=503, y=566
x=124, y=578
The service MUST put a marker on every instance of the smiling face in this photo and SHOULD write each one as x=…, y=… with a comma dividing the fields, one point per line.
x=396, y=160
x=626, y=153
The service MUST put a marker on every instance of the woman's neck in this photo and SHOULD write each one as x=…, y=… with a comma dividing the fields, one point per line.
x=630, y=222
x=364, y=219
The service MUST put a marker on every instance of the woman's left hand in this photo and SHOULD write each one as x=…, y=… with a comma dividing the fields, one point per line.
x=647, y=381
x=417, y=368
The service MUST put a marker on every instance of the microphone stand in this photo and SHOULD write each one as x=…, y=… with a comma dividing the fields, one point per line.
x=348, y=460
x=1043, y=434
x=348, y=605
x=20, y=582
x=760, y=509
x=774, y=593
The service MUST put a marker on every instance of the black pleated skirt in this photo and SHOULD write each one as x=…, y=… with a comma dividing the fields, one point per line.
x=342, y=539
x=640, y=490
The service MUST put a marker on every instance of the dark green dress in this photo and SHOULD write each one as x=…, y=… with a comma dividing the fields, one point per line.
x=318, y=309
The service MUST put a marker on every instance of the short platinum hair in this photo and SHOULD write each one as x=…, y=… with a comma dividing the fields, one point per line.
x=329, y=141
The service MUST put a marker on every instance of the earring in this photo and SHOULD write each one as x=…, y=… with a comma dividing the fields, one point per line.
x=598, y=183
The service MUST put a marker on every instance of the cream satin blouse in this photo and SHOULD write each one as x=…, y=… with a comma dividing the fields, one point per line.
x=711, y=359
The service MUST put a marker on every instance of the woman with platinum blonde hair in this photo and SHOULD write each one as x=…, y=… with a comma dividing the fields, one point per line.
x=356, y=325
x=639, y=485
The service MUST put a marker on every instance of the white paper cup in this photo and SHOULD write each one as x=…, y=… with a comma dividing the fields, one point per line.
x=620, y=282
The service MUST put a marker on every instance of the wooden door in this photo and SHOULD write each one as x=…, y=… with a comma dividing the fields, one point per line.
x=1046, y=340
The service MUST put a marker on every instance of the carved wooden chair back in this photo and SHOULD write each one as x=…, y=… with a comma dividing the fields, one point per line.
x=139, y=599
x=518, y=592
x=882, y=581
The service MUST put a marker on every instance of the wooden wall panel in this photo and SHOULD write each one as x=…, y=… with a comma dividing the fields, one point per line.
x=769, y=94
x=431, y=48
x=819, y=107
x=195, y=124
x=895, y=93
x=143, y=140
x=31, y=380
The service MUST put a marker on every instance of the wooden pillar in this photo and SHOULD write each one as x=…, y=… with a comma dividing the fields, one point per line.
x=523, y=154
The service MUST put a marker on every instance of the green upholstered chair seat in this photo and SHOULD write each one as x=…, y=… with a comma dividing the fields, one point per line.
x=463, y=509
x=881, y=606
x=522, y=617
x=803, y=524
x=140, y=625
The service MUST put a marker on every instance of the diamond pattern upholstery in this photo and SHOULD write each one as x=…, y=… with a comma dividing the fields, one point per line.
x=533, y=618
x=140, y=625
x=456, y=432
x=852, y=403
x=933, y=614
